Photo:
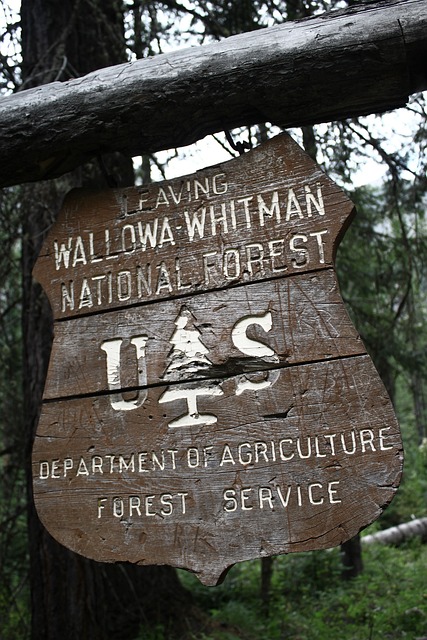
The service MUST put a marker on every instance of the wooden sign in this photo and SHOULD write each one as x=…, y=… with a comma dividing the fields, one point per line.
x=208, y=400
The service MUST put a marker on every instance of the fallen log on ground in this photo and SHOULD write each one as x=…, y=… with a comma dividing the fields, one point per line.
x=400, y=533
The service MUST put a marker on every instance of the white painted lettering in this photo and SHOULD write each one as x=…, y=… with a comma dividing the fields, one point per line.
x=218, y=220
x=196, y=223
x=204, y=188
x=245, y=495
x=54, y=469
x=183, y=496
x=98, y=282
x=208, y=265
x=147, y=233
x=193, y=458
x=320, y=244
x=167, y=505
x=231, y=264
x=62, y=253
x=227, y=456
x=118, y=507
x=229, y=497
x=255, y=258
x=164, y=280
x=303, y=256
x=273, y=211
x=261, y=451
x=85, y=295
x=276, y=250
x=158, y=462
x=112, y=350
x=302, y=455
x=176, y=197
x=207, y=453
x=101, y=505
x=79, y=255
x=166, y=235
x=247, y=457
x=97, y=464
x=332, y=492
x=284, y=499
x=344, y=444
x=382, y=437
x=219, y=184
x=124, y=285
x=293, y=207
x=134, y=505
x=149, y=505
x=367, y=439
x=248, y=346
x=265, y=494
x=92, y=255
x=67, y=296
x=283, y=455
x=143, y=280
x=162, y=198
x=68, y=465
x=128, y=465
x=320, y=499
x=245, y=202
x=128, y=248
x=108, y=254
x=310, y=200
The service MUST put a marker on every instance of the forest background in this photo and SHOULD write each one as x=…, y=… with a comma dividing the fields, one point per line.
x=47, y=592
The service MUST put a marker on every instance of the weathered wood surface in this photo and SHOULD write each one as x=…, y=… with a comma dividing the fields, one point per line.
x=347, y=63
x=269, y=213
x=233, y=420
x=300, y=466
x=308, y=323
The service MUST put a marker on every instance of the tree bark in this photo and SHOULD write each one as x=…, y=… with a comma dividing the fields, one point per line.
x=366, y=59
x=73, y=597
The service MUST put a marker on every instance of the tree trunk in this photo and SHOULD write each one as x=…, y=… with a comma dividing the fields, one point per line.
x=266, y=576
x=346, y=63
x=73, y=597
x=352, y=558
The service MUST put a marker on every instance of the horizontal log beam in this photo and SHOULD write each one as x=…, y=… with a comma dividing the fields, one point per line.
x=342, y=64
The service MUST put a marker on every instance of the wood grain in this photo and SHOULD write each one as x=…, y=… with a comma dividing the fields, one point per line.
x=310, y=411
x=309, y=323
x=268, y=214
x=230, y=420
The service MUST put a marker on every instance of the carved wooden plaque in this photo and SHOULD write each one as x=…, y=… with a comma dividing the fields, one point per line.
x=208, y=400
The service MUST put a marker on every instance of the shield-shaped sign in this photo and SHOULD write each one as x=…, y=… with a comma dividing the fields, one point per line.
x=208, y=400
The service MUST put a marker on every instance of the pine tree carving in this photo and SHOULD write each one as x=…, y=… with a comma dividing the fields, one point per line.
x=188, y=356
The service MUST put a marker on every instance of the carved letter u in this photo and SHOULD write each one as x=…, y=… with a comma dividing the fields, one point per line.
x=112, y=350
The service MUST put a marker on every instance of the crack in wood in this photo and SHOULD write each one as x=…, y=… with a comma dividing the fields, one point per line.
x=191, y=295
x=279, y=415
x=190, y=380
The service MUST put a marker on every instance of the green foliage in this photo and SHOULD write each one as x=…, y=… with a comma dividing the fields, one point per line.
x=382, y=271
x=309, y=600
